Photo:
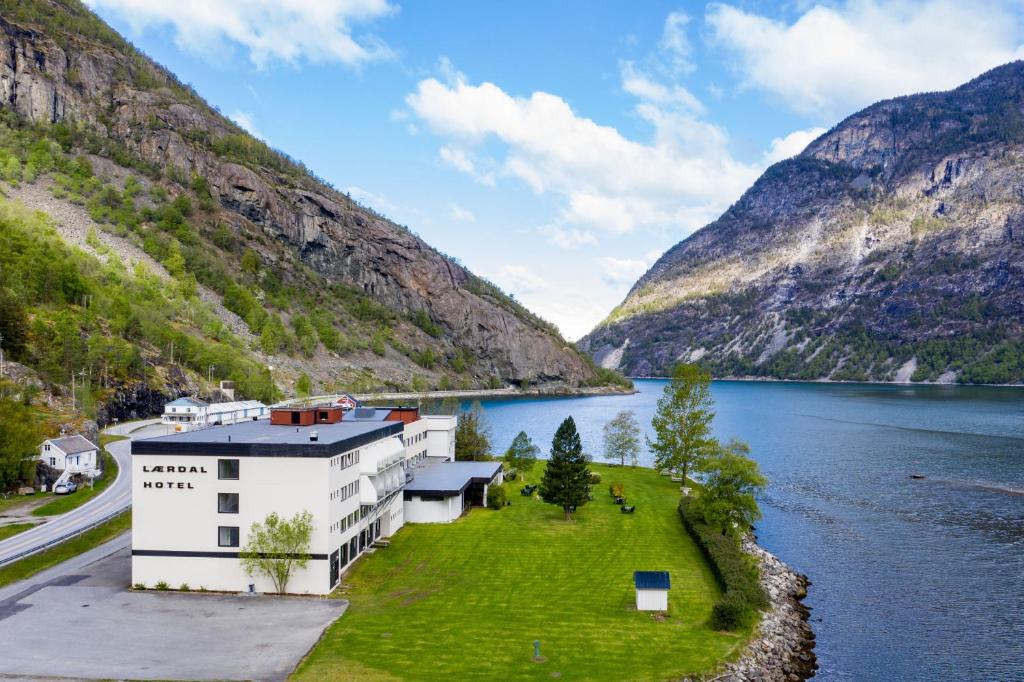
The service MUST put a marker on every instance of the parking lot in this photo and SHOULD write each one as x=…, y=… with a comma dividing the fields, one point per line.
x=82, y=622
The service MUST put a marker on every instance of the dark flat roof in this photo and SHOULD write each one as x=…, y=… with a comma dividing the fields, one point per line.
x=651, y=580
x=450, y=478
x=262, y=439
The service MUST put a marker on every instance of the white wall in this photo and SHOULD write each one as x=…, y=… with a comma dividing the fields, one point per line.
x=447, y=510
x=652, y=600
x=78, y=463
x=182, y=516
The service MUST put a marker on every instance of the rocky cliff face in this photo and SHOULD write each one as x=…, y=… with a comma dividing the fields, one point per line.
x=60, y=64
x=890, y=249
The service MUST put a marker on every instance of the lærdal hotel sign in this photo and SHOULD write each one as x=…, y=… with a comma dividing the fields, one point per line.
x=171, y=469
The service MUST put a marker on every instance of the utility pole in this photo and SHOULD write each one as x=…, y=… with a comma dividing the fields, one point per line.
x=1, y=355
x=81, y=373
x=72, y=391
x=210, y=374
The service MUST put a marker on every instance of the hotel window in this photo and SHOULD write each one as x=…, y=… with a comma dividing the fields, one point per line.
x=227, y=503
x=227, y=536
x=227, y=469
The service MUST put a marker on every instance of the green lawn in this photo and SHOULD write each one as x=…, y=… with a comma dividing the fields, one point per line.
x=64, y=503
x=13, y=529
x=468, y=599
x=31, y=565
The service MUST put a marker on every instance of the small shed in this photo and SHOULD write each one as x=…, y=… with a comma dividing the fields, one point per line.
x=651, y=590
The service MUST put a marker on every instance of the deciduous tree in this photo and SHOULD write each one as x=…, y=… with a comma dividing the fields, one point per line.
x=728, y=498
x=472, y=441
x=566, y=480
x=682, y=422
x=622, y=438
x=522, y=454
x=278, y=547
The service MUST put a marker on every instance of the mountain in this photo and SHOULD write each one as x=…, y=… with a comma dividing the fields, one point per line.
x=196, y=244
x=890, y=249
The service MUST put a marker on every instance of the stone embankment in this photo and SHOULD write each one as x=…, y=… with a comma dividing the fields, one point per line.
x=783, y=646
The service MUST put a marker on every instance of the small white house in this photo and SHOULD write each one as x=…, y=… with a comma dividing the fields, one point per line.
x=651, y=590
x=71, y=454
x=186, y=414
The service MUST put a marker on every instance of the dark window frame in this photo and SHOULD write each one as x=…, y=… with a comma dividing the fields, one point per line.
x=220, y=470
x=220, y=496
x=233, y=538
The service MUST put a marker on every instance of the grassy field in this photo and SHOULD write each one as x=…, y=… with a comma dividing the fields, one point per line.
x=31, y=565
x=467, y=600
x=62, y=504
x=13, y=529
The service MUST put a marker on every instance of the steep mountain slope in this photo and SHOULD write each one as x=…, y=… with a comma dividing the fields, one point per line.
x=890, y=249
x=324, y=285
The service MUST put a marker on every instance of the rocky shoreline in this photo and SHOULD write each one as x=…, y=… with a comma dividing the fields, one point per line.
x=783, y=647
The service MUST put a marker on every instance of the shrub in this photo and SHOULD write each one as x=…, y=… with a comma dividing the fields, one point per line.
x=510, y=475
x=497, y=496
x=163, y=586
x=185, y=588
x=729, y=613
x=139, y=586
x=736, y=572
x=617, y=490
x=595, y=478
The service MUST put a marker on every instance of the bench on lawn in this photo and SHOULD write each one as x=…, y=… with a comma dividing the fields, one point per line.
x=628, y=508
x=527, y=490
x=620, y=500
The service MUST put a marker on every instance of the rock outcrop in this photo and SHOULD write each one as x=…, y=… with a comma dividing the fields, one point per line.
x=89, y=76
x=894, y=241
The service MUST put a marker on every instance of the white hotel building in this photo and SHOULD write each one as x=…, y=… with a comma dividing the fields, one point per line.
x=195, y=494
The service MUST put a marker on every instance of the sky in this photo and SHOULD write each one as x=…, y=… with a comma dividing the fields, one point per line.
x=558, y=148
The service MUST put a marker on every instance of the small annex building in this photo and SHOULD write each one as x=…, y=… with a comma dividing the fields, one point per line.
x=440, y=491
x=187, y=413
x=651, y=590
x=71, y=455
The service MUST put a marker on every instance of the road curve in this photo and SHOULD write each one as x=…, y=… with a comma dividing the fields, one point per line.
x=116, y=498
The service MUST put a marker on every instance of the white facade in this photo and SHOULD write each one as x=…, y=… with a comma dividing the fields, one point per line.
x=651, y=600
x=433, y=509
x=440, y=435
x=72, y=455
x=351, y=479
x=186, y=414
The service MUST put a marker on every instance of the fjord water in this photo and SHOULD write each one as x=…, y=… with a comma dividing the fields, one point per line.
x=913, y=579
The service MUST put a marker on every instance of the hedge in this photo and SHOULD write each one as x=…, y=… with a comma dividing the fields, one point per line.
x=735, y=571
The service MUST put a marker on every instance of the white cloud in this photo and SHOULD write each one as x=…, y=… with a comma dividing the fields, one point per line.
x=247, y=122
x=568, y=238
x=643, y=86
x=286, y=30
x=832, y=61
x=676, y=43
x=460, y=160
x=520, y=280
x=622, y=271
x=791, y=145
x=461, y=214
x=401, y=214
x=679, y=180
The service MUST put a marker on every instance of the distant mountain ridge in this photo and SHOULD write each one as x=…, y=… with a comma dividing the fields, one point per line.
x=890, y=249
x=326, y=286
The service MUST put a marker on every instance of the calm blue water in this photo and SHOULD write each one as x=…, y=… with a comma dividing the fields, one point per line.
x=912, y=579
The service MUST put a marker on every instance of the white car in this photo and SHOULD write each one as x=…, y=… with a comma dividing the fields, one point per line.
x=65, y=488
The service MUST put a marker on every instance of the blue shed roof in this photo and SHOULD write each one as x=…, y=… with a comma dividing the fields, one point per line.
x=651, y=580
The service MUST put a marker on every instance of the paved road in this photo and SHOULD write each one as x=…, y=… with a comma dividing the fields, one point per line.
x=116, y=498
x=108, y=632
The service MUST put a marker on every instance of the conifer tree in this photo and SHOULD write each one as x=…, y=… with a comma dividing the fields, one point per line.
x=566, y=480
